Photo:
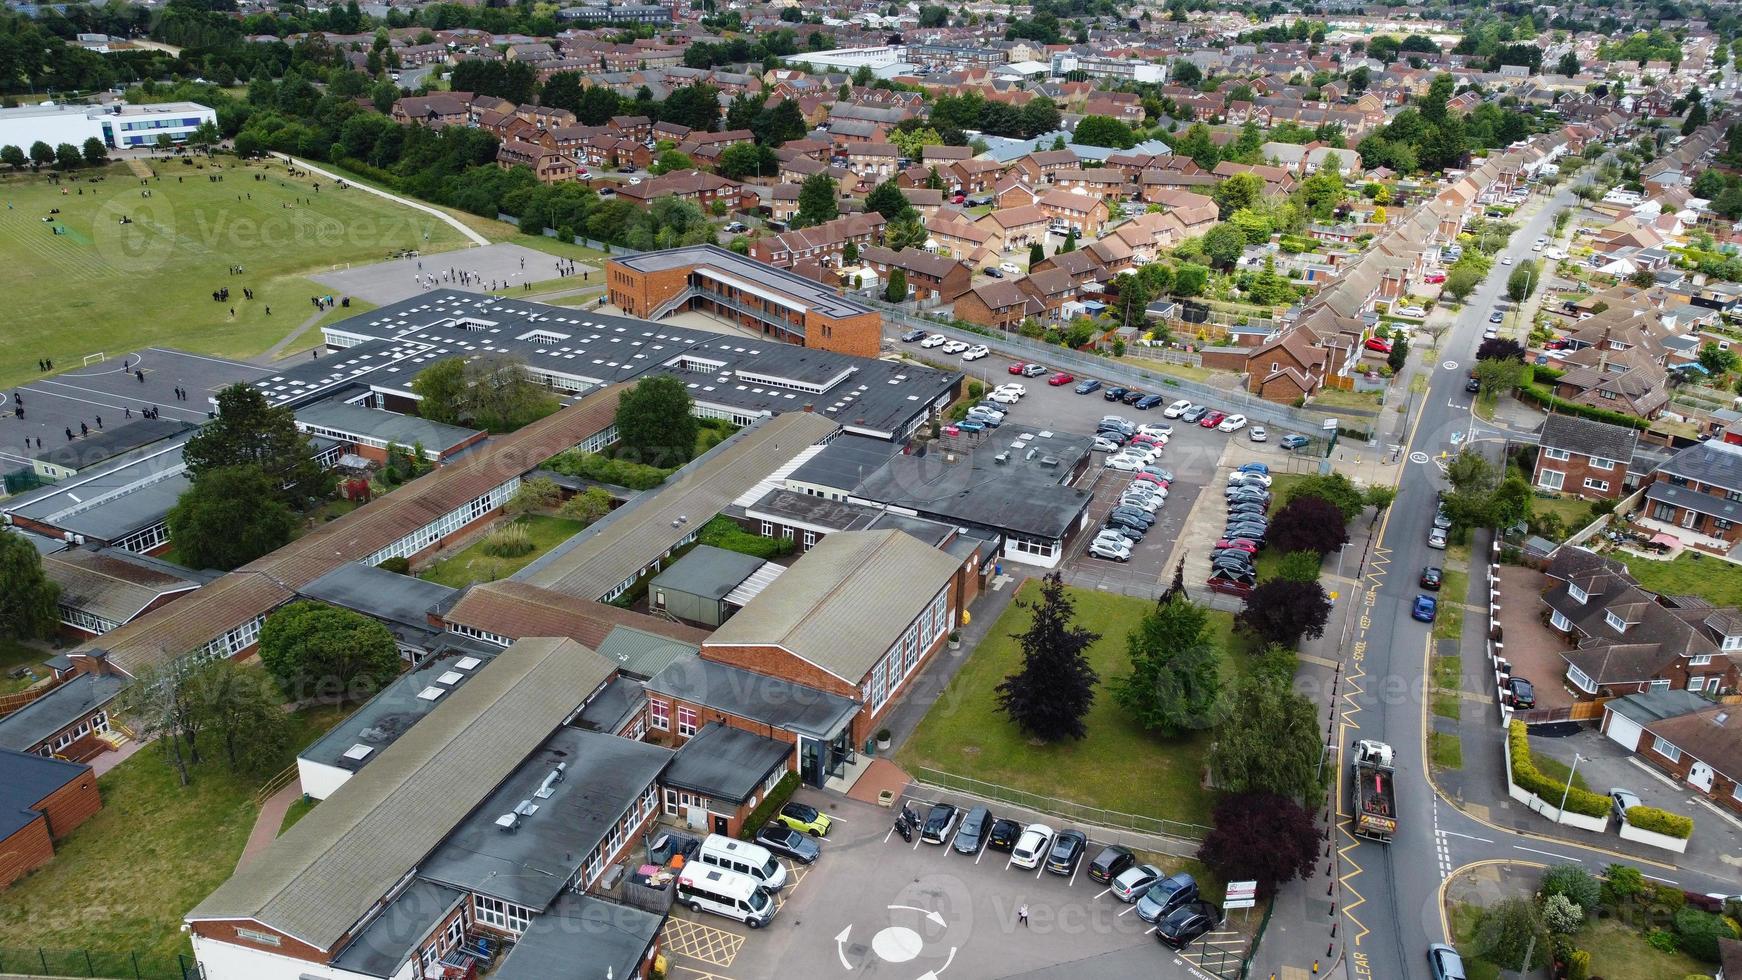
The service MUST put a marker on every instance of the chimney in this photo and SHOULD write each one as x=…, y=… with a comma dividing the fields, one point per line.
x=809, y=407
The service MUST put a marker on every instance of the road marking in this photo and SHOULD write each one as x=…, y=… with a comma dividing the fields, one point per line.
x=1664, y=880
x=1453, y=833
x=1450, y=365
x=1418, y=458
x=715, y=947
x=1551, y=854
x=1103, y=892
x=1129, y=909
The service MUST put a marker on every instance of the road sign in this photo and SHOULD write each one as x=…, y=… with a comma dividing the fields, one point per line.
x=1329, y=425
x=1241, y=895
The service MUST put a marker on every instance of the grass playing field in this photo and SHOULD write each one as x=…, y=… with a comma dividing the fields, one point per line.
x=102, y=285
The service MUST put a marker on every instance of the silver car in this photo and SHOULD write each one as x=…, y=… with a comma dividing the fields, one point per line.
x=1134, y=881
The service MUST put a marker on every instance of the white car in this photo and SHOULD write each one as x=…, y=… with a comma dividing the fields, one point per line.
x=1119, y=419
x=1147, y=453
x=1129, y=464
x=1505, y=260
x=1177, y=409
x=955, y=347
x=1110, y=550
x=1247, y=478
x=1156, y=429
x=1146, y=489
x=1415, y=312
x=1032, y=846
x=1257, y=434
x=975, y=352
x=1537, y=247
x=1003, y=397
x=1105, y=445
x=1009, y=268
x=935, y=340
x=1232, y=423
x=1109, y=536
x=1014, y=388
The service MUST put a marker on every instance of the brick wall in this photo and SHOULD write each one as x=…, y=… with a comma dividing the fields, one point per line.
x=71, y=805
x=861, y=335
x=227, y=931
x=771, y=661
x=1576, y=469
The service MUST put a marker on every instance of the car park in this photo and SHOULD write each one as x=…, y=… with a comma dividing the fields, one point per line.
x=1211, y=419
x=1257, y=434
x=1131, y=883
x=970, y=425
x=1185, y=924
x=1102, y=548
x=1032, y=847
x=1522, y=691
x=1067, y=850
x=1004, y=834
x=1131, y=535
x=1431, y=577
x=1115, y=393
x=1425, y=608
x=1032, y=370
x=789, y=843
x=912, y=336
x=1111, y=863
x=1177, y=409
x=1148, y=402
x=976, y=352
x=935, y=340
x=1232, y=423
x=1436, y=538
x=1061, y=378
x=939, y=821
x=1292, y=442
x=1118, y=422
x=1165, y=895
x=1087, y=386
x=1161, y=474
x=805, y=819
x=1133, y=396
x=972, y=833
x=1621, y=800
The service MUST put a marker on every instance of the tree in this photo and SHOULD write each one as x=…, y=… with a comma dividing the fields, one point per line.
x=41, y=155
x=1461, y=282
x=1271, y=740
x=1511, y=934
x=250, y=432
x=1497, y=375
x=742, y=160
x=1399, y=354
x=242, y=708
x=1699, y=931
x=1190, y=279
x=441, y=391
x=29, y=599
x=1283, y=612
x=491, y=392
x=587, y=506
x=1523, y=281
x=816, y=200
x=1696, y=118
x=229, y=517
x=161, y=707
x=1300, y=566
x=67, y=157
x=1309, y=523
x=1379, y=497
x=1051, y=694
x=669, y=161
x=1334, y=487
x=13, y=157
x=1561, y=915
x=1568, y=65
x=895, y=290
x=1175, y=685
x=1069, y=244
x=1500, y=349
x=888, y=200
x=1474, y=480
x=1223, y=245
x=1036, y=254
x=1575, y=883
x=535, y=494
x=1185, y=73
x=906, y=231
x=654, y=421
x=1260, y=837
x=1716, y=360
x=94, y=152
x=1104, y=131
x=1242, y=190
x=321, y=651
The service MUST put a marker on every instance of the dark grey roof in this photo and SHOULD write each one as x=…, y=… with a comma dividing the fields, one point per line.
x=26, y=779
x=725, y=763
x=1024, y=494
x=406, y=430
x=772, y=701
x=1713, y=461
x=105, y=444
x=392, y=937
x=391, y=713
x=621, y=700
x=707, y=572
x=380, y=593
x=1650, y=706
x=40, y=719
x=844, y=462
x=531, y=865
x=1705, y=503
x=1589, y=437
x=582, y=936
x=792, y=507
x=641, y=654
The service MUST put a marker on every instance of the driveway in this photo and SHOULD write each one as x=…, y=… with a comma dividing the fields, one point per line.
x=1533, y=649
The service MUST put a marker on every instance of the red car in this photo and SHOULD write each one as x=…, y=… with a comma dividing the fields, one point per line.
x=1379, y=344
x=1212, y=420
x=1061, y=378
x=1435, y=277
x=1017, y=367
x=958, y=199
x=1145, y=439
x=1238, y=544
x=1149, y=478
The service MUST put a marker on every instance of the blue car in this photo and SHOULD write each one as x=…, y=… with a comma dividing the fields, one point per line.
x=969, y=425
x=1425, y=608
x=1084, y=387
x=1148, y=402
x=1254, y=468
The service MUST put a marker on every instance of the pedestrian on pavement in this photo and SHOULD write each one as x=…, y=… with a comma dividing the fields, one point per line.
x=1022, y=915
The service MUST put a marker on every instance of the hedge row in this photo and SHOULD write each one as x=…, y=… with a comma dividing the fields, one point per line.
x=1660, y=821
x=770, y=804
x=723, y=532
x=1524, y=774
x=1540, y=394
x=622, y=473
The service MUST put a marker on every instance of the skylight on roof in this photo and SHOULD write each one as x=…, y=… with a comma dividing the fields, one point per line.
x=450, y=677
x=358, y=752
x=431, y=693
x=467, y=663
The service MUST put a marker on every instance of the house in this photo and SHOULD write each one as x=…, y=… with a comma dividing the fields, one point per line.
x=41, y=801
x=1009, y=229
x=719, y=775
x=1702, y=750
x=1001, y=304
x=928, y=275
x=696, y=186
x=1584, y=457
x=822, y=244
x=1286, y=368
x=1697, y=495
x=1106, y=183
x=434, y=110
x=1083, y=213
x=548, y=165
x=1052, y=288
x=952, y=234
x=1041, y=165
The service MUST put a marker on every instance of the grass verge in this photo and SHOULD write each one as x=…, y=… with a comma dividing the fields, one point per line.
x=1557, y=771
x=1446, y=751
x=1713, y=579
x=473, y=565
x=1448, y=705
x=297, y=811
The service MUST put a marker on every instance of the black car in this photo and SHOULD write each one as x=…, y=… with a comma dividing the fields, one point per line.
x=783, y=840
x=1523, y=693
x=1111, y=863
x=1067, y=850
x=1245, y=509
x=938, y=821
x=1150, y=401
x=972, y=834
x=1231, y=556
x=1187, y=923
x=1126, y=531
x=1431, y=578
x=1240, y=529
x=912, y=335
x=1084, y=387
x=1473, y=385
x=1004, y=834
x=1115, y=393
x=1141, y=517
x=1133, y=396
x=993, y=271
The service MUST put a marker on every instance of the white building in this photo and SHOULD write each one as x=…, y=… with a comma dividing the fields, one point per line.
x=116, y=125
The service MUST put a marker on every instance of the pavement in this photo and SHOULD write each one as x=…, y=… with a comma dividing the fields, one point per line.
x=269, y=821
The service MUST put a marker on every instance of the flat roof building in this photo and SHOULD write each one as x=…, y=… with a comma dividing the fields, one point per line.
x=117, y=125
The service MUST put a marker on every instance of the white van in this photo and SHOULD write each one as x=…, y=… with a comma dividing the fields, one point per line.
x=744, y=858
x=727, y=893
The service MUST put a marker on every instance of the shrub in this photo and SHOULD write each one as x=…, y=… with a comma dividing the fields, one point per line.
x=723, y=532
x=508, y=541
x=1670, y=898
x=398, y=564
x=1525, y=774
x=1621, y=883
x=618, y=472
x=1561, y=915
x=587, y=506
x=1660, y=821
x=538, y=493
x=1579, y=965
x=770, y=804
x=1512, y=932
x=1661, y=940
x=1575, y=883
x=1699, y=933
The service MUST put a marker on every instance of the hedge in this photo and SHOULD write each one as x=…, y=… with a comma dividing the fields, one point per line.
x=1529, y=390
x=1660, y=821
x=622, y=473
x=1524, y=773
x=723, y=532
x=765, y=810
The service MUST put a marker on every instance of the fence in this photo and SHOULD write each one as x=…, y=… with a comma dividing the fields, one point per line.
x=577, y=240
x=1068, y=809
x=1166, y=355
x=284, y=778
x=96, y=963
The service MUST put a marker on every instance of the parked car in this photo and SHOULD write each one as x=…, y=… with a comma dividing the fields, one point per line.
x=1622, y=800
x=1003, y=397
x=1131, y=883
x=1473, y=385
x=1431, y=577
x=1162, y=475
x=912, y=335
x=1102, y=548
x=993, y=271
x=1413, y=312
x=1032, y=370
x=1211, y=419
x=935, y=340
x=1165, y=895
x=1132, y=535
x=1445, y=963
x=1123, y=463
x=1103, y=444
x=1017, y=367
x=1379, y=344
x=785, y=841
x=732, y=227
x=972, y=833
x=1115, y=393
x=1111, y=863
x=1292, y=442
x=1133, y=396
x=1148, y=402
x=1523, y=693
x=1004, y=834
x=1496, y=317
x=1232, y=423
x=1249, y=478
x=1061, y=378
x=1177, y=409
x=1010, y=268
x=1087, y=385
x=1156, y=429
x=1425, y=608
x=1185, y=924
x=1142, y=518
x=1067, y=850
x=1436, y=538
x=1505, y=260
x=1257, y=434
x=939, y=821
x=805, y=819
x=1031, y=848
x=970, y=425
x=1194, y=413
x=955, y=347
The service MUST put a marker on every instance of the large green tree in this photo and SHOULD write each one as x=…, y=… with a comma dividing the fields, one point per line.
x=250, y=432
x=243, y=709
x=1270, y=741
x=1050, y=696
x=491, y=392
x=229, y=517
x=29, y=600
x=1175, y=684
x=816, y=200
x=654, y=421
x=325, y=652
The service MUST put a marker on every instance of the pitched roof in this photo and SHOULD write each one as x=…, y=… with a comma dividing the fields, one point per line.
x=839, y=603
x=106, y=584
x=324, y=874
x=517, y=609
x=1714, y=461
x=1589, y=437
x=1713, y=736
x=42, y=718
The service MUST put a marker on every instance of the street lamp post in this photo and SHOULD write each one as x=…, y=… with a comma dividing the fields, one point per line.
x=1577, y=758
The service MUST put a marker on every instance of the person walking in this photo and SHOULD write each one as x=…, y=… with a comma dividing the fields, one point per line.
x=1022, y=915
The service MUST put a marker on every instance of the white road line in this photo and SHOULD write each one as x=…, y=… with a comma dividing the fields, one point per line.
x=1551, y=854
x=1129, y=909
x=1150, y=931
x=1664, y=880
x=1453, y=833
x=1104, y=891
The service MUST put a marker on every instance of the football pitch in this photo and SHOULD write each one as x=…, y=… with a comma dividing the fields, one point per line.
x=130, y=270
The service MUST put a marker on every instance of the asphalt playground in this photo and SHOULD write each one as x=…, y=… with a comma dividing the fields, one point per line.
x=487, y=269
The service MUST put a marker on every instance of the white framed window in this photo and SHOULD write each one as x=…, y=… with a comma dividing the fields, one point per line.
x=1600, y=463
x=1558, y=455
x=686, y=720
x=503, y=915
x=1666, y=748
x=1560, y=622
x=1702, y=659
x=1601, y=486
x=1579, y=595
x=1581, y=680
x=1661, y=684
x=659, y=714
x=1615, y=622
x=1551, y=479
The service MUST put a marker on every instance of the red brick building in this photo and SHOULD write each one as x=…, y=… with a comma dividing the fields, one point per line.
x=1584, y=457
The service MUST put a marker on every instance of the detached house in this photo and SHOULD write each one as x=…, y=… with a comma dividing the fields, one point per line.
x=1584, y=457
x=1697, y=496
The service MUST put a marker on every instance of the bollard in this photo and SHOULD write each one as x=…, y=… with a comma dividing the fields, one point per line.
x=1333, y=915
x=1328, y=948
x=1329, y=869
x=1333, y=930
x=1315, y=968
x=1330, y=887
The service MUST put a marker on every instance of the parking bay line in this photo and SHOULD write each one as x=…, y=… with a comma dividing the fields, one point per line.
x=1103, y=894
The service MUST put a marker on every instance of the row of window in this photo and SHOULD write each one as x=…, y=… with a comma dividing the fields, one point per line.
x=904, y=655
x=98, y=722
x=360, y=440
x=1555, y=480
x=450, y=522
x=447, y=940
x=659, y=714
x=1682, y=481
x=140, y=542
x=620, y=832
x=503, y=915
x=478, y=634
x=80, y=619
x=232, y=642
x=1594, y=462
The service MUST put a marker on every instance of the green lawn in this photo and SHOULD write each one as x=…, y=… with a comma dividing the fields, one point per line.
x=1448, y=705
x=1557, y=771
x=1573, y=512
x=1446, y=750
x=297, y=811
x=122, y=881
x=1465, y=917
x=472, y=565
x=1618, y=951
x=15, y=654
x=150, y=281
x=1449, y=620
x=1718, y=581
x=964, y=732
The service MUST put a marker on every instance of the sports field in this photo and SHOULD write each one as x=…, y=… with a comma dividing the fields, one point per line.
x=105, y=285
